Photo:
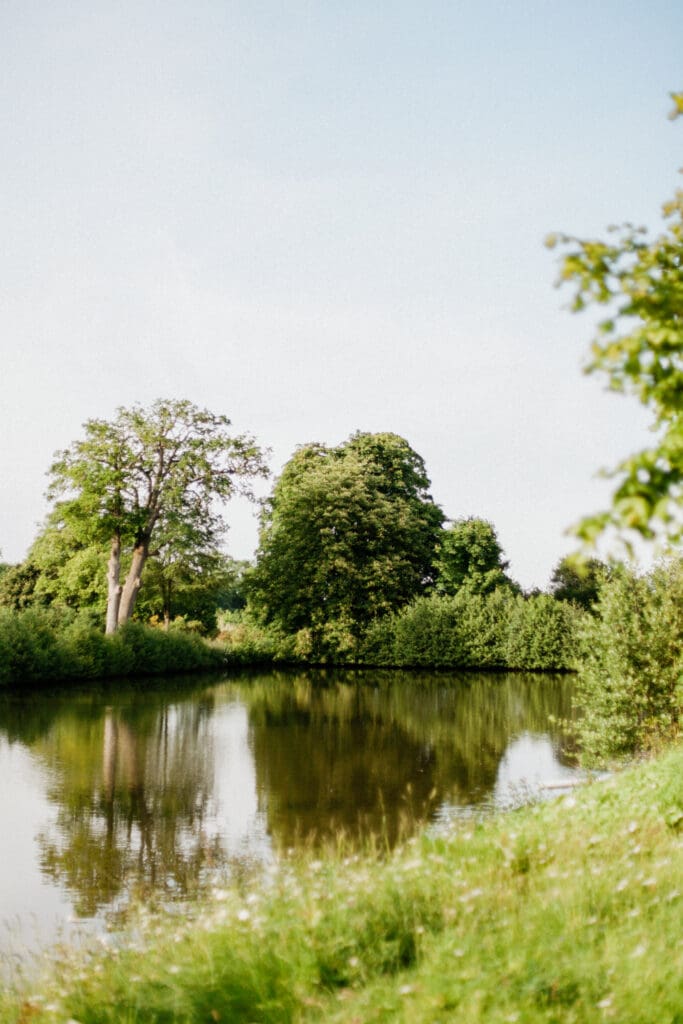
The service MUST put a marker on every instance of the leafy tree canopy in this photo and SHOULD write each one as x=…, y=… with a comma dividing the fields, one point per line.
x=578, y=581
x=150, y=477
x=638, y=347
x=470, y=556
x=348, y=534
x=17, y=586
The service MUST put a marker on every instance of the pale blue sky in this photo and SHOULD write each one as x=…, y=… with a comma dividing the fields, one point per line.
x=325, y=217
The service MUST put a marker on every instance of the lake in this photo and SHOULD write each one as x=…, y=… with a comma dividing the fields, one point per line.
x=155, y=792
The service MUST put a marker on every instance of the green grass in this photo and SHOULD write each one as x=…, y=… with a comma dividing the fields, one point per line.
x=566, y=912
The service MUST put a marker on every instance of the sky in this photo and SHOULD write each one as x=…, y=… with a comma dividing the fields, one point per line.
x=319, y=218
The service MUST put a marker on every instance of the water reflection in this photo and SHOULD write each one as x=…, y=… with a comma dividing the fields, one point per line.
x=132, y=787
x=150, y=794
x=377, y=753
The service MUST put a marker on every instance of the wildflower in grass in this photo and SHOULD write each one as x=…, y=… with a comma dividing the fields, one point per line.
x=243, y=914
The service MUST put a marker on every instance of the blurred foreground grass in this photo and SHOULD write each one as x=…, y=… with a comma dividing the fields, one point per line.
x=563, y=912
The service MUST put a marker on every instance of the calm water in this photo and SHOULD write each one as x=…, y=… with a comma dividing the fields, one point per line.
x=118, y=795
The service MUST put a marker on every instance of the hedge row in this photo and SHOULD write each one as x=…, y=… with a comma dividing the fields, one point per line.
x=500, y=630
x=43, y=645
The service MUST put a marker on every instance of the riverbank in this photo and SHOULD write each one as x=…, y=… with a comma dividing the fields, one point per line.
x=562, y=912
x=41, y=646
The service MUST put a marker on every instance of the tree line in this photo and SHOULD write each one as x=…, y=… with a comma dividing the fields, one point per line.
x=349, y=535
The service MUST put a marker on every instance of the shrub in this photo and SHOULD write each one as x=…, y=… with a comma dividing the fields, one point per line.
x=469, y=630
x=42, y=645
x=541, y=633
x=630, y=685
x=29, y=646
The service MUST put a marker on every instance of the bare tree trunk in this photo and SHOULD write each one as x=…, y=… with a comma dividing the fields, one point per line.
x=133, y=581
x=113, y=585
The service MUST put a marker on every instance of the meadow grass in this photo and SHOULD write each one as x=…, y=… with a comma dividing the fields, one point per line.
x=568, y=911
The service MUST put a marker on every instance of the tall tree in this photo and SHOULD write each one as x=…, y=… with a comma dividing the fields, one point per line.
x=470, y=556
x=348, y=534
x=638, y=347
x=131, y=477
x=578, y=581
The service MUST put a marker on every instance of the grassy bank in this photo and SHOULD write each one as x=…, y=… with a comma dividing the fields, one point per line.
x=566, y=912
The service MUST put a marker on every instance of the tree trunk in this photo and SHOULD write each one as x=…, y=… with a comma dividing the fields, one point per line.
x=113, y=585
x=133, y=581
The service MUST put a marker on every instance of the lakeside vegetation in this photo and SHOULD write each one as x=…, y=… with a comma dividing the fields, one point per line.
x=627, y=651
x=562, y=912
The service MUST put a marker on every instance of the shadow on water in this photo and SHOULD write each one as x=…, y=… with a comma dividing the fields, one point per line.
x=148, y=793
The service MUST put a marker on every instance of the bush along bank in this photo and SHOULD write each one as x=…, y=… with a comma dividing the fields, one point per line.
x=630, y=680
x=45, y=645
x=567, y=912
x=499, y=630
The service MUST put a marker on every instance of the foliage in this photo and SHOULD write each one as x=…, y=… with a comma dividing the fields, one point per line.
x=71, y=571
x=578, y=581
x=41, y=645
x=542, y=633
x=247, y=642
x=638, y=347
x=470, y=556
x=349, y=534
x=192, y=584
x=470, y=630
x=630, y=684
x=563, y=913
x=150, y=477
x=18, y=584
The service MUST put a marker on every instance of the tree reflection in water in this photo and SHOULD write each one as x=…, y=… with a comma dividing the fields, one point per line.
x=133, y=793
x=379, y=753
x=146, y=787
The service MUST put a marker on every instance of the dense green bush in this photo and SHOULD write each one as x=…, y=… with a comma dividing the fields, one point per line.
x=29, y=647
x=630, y=685
x=42, y=645
x=498, y=630
x=541, y=633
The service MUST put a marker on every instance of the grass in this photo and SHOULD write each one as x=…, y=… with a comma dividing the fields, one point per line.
x=564, y=912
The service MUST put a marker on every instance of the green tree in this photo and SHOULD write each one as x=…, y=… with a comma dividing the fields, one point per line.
x=638, y=347
x=470, y=556
x=578, y=581
x=349, y=534
x=18, y=584
x=190, y=583
x=132, y=478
